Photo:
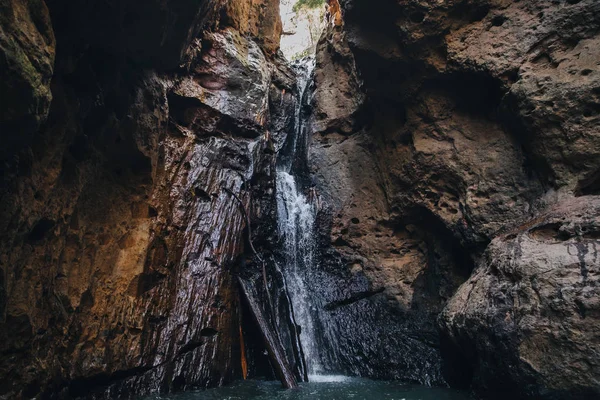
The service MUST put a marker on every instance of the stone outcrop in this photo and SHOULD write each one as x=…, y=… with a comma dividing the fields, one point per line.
x=122, y=207
x=529, y=315
x=439, y=126
x=257, y=18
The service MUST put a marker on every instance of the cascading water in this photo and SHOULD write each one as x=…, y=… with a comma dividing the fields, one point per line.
x=296, y=224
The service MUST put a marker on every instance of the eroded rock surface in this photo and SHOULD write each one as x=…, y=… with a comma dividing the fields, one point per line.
x=439, y=126
x=530, y=313
x=258, y=19
x=135, y=157
x=122, y=218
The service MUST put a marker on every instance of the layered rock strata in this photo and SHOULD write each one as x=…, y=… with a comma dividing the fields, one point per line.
x=128, y=162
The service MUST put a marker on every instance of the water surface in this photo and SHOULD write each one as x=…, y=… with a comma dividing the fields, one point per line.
x=324, y=388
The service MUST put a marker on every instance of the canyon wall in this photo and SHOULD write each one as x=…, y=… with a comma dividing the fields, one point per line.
x=130, y=134
x=442, y=127
x=454, y=163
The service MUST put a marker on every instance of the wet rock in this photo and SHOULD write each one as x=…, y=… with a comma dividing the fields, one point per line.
x=282, y=102
x=231, y=78
x=367, y=244
x=119, y=237
x=129, y=202
x=526, y=323
x=459, y=128
x=110, y=307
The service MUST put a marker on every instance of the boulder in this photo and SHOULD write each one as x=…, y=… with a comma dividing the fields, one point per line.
x=526, y=324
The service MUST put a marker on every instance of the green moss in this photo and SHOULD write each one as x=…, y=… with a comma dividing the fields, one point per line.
x=308, y=4
x=304, y=53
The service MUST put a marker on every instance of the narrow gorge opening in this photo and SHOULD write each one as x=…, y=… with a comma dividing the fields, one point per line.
x=295, y=324
x=303, y=22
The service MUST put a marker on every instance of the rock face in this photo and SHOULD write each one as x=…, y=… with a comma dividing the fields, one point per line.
x=530, y=313
x=123, y=212
x=439, y=126
x=455, y=165
x=388, y=265
x=257, y=18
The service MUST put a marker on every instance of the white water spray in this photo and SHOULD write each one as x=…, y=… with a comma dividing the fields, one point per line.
x=296, y=223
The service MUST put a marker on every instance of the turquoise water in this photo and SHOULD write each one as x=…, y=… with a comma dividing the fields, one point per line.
x=326, y=388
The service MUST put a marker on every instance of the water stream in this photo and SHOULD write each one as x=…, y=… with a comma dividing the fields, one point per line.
x=315, y=348
x=296, y=224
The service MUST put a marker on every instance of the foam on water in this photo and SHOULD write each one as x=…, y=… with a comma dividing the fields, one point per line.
x=296, y=216
x=327, y=378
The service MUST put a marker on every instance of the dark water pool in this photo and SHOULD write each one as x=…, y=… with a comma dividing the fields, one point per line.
x=329, y=388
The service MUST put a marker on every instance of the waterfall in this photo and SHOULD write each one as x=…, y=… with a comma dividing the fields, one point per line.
x=296, y=223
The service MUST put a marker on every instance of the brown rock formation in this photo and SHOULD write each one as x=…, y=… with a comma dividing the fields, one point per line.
x=119, y=234
x=437, y=127
x=530, y=313
x=257, y=18
x=133, y=159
